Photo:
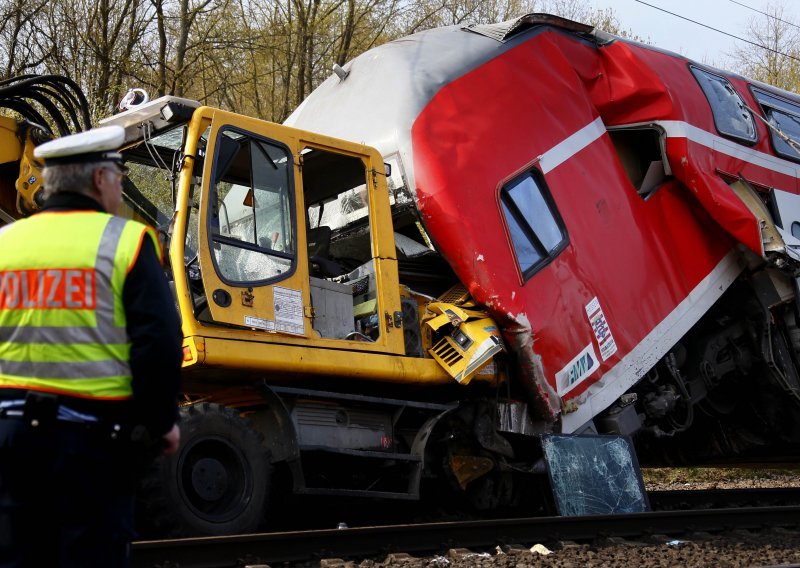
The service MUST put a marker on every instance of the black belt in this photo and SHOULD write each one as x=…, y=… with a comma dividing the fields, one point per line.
x=44, y=410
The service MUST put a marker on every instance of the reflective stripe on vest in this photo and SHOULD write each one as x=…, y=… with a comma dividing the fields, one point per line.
x=62, y=323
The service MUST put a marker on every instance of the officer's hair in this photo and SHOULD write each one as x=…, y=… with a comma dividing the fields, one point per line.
x=76, y=178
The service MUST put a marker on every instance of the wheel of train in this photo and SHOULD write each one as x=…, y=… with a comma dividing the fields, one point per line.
x=216, y=484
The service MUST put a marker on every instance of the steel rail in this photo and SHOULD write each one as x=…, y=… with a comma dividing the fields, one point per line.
x=303, y=546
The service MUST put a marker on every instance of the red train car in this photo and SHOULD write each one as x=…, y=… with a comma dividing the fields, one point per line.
x=628, y=216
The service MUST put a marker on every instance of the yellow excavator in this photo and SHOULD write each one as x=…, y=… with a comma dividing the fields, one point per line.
x=319, y=340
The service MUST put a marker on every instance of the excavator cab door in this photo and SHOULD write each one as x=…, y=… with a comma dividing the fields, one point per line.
x=248, y=225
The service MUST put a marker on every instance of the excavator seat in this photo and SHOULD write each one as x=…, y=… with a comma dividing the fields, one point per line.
x=319, y=245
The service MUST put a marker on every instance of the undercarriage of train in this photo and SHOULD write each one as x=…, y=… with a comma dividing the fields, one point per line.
x=729, y=391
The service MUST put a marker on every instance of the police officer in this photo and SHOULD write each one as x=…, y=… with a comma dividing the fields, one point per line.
x=90, y=354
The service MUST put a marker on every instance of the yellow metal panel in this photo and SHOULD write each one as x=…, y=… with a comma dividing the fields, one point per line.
x=283, y=354
x=467, y=469
x=388, y=303
x=476, y=343
x=10, y=146
x=304, y=360
x=366, y=308
x=29, y=182
x=177, y=250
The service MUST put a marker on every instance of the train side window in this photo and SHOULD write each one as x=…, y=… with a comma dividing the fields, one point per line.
x=783, y=115
x=536, y=230
x=731, y=116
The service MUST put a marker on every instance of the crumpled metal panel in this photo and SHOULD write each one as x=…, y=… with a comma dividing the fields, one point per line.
x=388, y=86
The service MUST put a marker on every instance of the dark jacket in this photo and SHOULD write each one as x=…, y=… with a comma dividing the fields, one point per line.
x=154, y=330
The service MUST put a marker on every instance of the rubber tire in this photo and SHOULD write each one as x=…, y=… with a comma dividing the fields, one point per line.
x=216, y=484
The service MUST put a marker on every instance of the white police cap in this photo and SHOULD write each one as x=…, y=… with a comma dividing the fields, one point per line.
x=95, y=145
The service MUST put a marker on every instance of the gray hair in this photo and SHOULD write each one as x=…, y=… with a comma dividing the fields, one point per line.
x=76, y=178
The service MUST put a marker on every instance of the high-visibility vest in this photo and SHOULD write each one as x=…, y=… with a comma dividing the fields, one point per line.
x=62, y=322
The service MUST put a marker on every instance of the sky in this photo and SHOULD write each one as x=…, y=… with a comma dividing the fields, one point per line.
x=692, y=40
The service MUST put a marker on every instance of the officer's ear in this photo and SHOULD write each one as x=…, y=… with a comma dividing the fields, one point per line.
x=97, y=177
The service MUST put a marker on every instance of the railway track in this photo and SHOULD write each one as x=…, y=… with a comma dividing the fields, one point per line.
x=434, y=538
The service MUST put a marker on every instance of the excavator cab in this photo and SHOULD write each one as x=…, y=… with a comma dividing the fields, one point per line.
x=271, y=264
x=274, y=235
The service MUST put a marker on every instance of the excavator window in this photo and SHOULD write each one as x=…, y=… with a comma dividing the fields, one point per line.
x=147, y=188
x=251, y=227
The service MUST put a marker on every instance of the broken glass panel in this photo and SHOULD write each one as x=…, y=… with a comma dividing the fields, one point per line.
x=785, y=116
x=251, y=218
x=594, y=475
x=731, y=116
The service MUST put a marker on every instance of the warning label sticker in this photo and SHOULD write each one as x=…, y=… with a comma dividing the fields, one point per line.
x=288, y=305
x=259, y=323
x=602, y=332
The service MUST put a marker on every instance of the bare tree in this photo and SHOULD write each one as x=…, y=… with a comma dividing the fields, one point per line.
x=18, y=23
x=775, y=58
x=261, y=58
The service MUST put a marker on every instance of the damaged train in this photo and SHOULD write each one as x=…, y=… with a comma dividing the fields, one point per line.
x=630, y=218
x=461, y=243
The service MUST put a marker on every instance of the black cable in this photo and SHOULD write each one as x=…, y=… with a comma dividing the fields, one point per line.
x=25, y=109
x=62, y=100
x=765, y=14
x=719, y=31
x=52, y=110
x=74, y=94
x=16, y=79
